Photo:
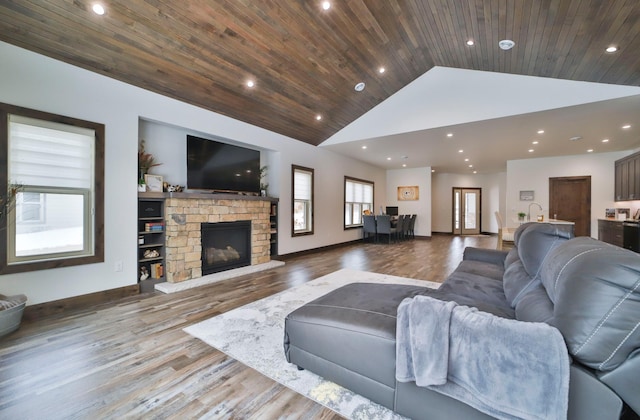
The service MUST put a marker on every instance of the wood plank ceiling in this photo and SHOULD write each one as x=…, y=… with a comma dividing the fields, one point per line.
x=305, y=61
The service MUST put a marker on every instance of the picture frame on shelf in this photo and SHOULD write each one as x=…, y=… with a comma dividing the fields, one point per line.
x=154, y=182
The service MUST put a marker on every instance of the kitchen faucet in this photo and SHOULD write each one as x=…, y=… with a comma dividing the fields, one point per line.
x=529, y=213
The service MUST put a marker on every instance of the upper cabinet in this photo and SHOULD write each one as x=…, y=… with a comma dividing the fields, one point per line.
x=627, y=176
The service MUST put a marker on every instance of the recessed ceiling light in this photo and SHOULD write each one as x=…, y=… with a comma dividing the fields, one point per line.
x=506, y=44
x=460, y=151
x=251, y=83
x=540, y=131
x=589, y=150
x=466, y=159
x=475, y=172
x=471, y=166
x=359, y=87
x=575, y=138
x=531, y=150
x=364, y=147
x=388, y=158
x=611, y=49
x=627, y=126
x=404, y=165
x=433, y=170
x=449, y=134
x=534, y=142
x=326, y=5
x=381, y=70
x=470, y=42
x=318, y=117
x=98, y=9
x=605, y=140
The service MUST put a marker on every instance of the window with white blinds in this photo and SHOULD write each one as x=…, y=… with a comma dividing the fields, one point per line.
x=54, y=167
x=49, y=154
x=358, y=198
x=302, y=201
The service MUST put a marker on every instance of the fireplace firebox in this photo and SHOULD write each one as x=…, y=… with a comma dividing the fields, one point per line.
x=225, y=245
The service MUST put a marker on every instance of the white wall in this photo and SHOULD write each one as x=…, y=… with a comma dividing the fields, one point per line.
x=534, y=174
x=493, y=190
x=420, y=177
x=38, y=82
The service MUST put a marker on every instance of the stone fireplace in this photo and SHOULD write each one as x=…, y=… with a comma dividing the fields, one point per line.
x=185, y=213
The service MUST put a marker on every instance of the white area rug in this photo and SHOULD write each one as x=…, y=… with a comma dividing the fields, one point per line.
x=253, y=334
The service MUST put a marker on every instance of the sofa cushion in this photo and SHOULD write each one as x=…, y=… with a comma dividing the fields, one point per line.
x=533, y=243
x=534, y=305
x=595, y=288
x=467, y=288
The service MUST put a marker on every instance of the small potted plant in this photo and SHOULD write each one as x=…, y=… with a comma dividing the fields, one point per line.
x=521, y=216
x=146, y=161
x=264, y=186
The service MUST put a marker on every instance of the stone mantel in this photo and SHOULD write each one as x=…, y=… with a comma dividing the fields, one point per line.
x=206, y=195
x=184, y=214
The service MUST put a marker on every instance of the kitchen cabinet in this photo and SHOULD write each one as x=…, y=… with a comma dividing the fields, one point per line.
x=627, y=178
x=611, y=231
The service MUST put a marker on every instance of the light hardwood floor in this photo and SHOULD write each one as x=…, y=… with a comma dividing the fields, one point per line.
x=131, y=359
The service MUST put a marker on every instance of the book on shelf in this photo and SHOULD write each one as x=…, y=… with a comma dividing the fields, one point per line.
x=156, y=270
x=154, y=227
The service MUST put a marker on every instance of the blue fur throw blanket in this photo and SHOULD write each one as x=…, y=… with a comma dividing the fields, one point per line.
x=506, y=368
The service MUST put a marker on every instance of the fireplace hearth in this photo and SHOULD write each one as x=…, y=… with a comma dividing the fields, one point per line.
x=225, y=245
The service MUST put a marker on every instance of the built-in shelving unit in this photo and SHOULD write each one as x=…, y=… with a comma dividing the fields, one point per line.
x=273, y=221
x=151, y=243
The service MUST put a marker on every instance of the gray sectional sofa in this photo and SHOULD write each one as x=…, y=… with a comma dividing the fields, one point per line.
x=587, y=289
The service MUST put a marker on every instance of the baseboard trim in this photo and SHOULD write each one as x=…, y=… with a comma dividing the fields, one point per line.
x=42, y=310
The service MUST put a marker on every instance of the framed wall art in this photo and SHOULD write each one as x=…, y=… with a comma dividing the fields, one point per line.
x=408, y=193
x=526, y=195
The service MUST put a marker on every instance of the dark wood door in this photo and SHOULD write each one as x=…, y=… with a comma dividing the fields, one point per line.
x=570, y=199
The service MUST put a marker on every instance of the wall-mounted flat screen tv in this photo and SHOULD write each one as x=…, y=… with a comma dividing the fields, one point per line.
x=216, y=166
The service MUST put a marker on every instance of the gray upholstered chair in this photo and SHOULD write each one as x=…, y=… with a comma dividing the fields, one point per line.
x=383, y=226
x=401, y=226
x=411, y=228
x=369, y=227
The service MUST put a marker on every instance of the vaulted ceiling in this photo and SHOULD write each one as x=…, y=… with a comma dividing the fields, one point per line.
x=305, y=61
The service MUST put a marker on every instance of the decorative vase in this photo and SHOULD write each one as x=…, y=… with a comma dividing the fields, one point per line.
x=142, y=187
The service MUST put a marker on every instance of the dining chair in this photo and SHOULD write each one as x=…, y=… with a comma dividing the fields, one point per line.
x=383, y=226
x=400, y=227
x=411, y=228
x=369, y=227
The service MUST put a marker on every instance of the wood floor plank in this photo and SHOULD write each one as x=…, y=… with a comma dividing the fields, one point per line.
x=130, y=358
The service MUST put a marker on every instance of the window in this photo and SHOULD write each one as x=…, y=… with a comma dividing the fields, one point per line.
x=57, y=165
x=302, y=201
x=358, y=198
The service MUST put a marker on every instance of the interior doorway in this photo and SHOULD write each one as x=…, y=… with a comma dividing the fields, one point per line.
x=466, y=211
x=570, y=199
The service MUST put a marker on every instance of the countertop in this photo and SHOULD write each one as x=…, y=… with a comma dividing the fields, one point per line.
x=552, y=221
